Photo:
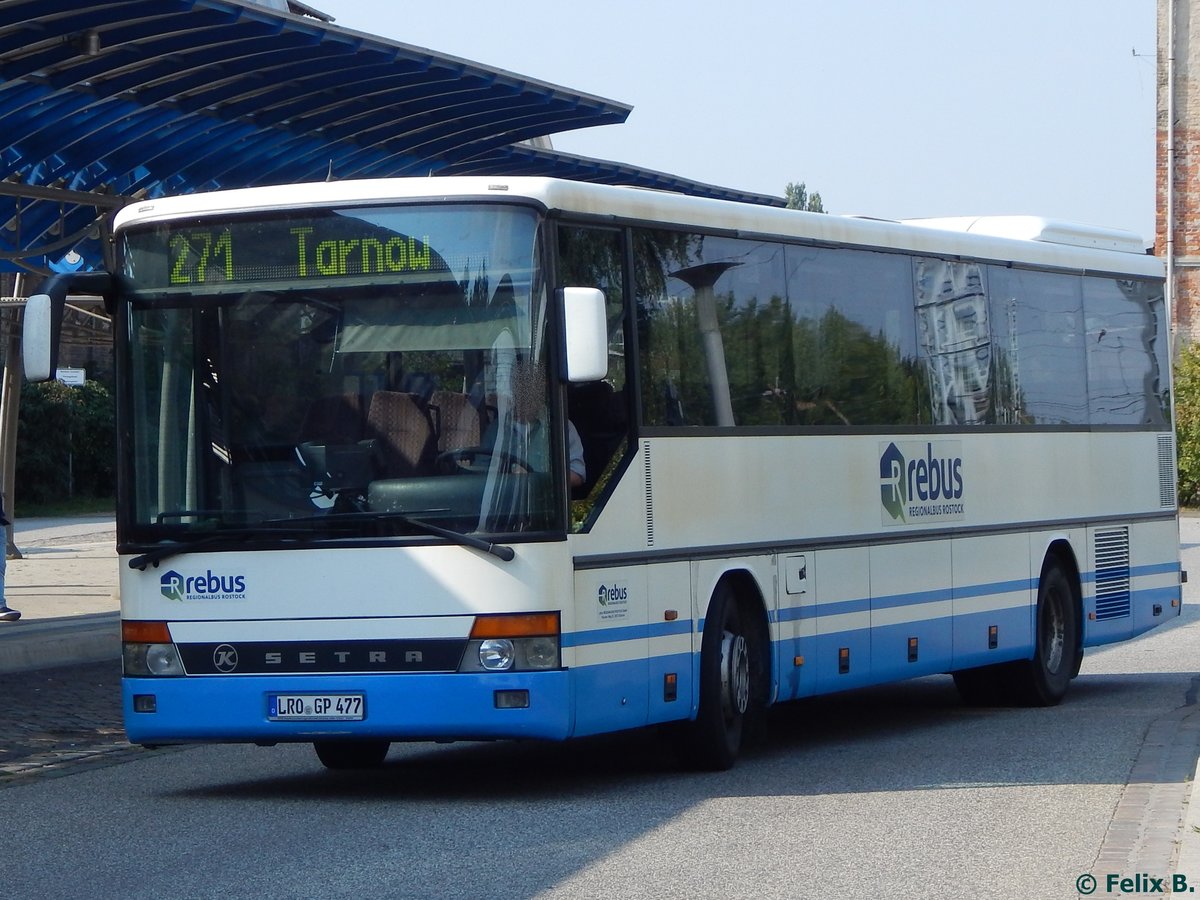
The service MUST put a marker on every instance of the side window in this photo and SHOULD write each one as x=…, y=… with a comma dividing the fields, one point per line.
x=713, y=330
x=955, y=340
x=1125, y=330
x=853, y=342
x=674, y=388
x=594, y=257
x=1041, y=369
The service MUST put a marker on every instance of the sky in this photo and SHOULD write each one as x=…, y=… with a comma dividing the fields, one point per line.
x=887, y=108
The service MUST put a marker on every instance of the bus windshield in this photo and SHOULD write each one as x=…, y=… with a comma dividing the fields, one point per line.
x=357, y=372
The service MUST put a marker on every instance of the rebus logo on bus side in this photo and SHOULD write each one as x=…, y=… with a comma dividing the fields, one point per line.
x=921, y=482
x=618, y=593
x=613, y=600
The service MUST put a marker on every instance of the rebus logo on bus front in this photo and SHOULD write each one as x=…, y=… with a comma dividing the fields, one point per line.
x=208, y=586
x=921, y=482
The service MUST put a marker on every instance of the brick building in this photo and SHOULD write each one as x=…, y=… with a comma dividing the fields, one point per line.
x=1179, y=148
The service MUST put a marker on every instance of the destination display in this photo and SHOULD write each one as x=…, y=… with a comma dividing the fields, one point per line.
x=291, y=250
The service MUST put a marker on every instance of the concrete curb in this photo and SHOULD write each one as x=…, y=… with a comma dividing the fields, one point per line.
x=1188, y=862
x=48, y=643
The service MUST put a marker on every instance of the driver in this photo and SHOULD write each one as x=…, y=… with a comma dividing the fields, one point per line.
x=529, y=412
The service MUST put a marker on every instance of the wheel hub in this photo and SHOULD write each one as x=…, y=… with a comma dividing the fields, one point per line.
x=1054, y=634
x=735, y=675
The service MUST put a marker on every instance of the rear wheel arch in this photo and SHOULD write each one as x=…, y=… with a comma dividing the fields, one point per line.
x=1060, y=553
x=1042, y=679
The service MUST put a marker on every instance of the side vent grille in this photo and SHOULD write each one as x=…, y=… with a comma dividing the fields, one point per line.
x=649, y=498
x=1112, y=574
x=1166, y=471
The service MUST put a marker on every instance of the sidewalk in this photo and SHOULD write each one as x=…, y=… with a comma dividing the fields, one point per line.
x=66, y=590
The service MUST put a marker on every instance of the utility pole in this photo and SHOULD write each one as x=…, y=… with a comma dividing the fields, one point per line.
x=10, y=405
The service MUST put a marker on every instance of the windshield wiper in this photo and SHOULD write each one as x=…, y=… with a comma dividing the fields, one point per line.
x=500, y=551
x=164, y=551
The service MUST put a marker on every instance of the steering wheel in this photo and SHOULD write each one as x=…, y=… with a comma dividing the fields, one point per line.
x=466, y=460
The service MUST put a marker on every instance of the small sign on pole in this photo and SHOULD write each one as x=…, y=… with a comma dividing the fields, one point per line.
x=71, y=377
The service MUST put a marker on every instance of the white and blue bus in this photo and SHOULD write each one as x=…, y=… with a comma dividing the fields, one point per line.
x=441, y=459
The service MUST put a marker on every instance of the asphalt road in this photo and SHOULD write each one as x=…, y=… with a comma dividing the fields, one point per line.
x=898, y=791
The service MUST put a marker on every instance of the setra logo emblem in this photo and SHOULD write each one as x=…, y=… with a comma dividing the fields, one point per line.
x=225, y=658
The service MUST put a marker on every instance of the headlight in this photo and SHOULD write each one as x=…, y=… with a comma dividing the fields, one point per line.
x=151, y=660
x=513, y=642
x=537, y=653
x=496, y=654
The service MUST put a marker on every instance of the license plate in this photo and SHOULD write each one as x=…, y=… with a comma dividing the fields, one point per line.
x=316, y=707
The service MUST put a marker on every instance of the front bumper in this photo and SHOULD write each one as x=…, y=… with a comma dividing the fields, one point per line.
x=403, y=707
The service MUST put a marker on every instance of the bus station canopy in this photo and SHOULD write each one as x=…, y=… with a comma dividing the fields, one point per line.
x=117, y=100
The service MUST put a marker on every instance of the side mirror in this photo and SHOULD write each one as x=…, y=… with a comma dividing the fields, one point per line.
x=43, y=319
x=39, y=337
x=585, y=334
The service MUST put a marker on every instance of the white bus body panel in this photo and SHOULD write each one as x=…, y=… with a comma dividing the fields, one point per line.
x=397, y=584
x=853, y=591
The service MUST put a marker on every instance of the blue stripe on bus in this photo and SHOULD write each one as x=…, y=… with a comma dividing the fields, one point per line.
x=892, y=601
x=841, y=607
x=916, y=598
x=1167, y=568
x=998, y=587
x=628, y=694
x=1149, y=595
x=626, y=633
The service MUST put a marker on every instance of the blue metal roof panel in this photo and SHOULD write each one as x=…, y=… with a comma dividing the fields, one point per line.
x=171, y=96
x=228, y=61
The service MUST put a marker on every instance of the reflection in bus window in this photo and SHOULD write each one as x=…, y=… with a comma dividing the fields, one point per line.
x=952, y=322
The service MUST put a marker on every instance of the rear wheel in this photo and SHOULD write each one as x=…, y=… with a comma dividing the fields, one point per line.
x=1044, y=679
x=351, y=754
x=715, y=738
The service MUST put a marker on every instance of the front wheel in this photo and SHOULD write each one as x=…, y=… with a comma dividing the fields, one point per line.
x=351, y=754
x=715, y=738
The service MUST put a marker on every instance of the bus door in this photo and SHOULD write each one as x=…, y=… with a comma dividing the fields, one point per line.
x=797, y=628
x=610, y=649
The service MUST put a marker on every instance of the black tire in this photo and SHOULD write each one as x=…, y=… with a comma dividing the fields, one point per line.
x=714, y=740
x=351, y=754
x=1044, y=679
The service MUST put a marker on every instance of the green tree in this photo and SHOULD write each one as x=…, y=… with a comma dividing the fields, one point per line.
x=798, y=197
x=65, y=442
x=1187, y=423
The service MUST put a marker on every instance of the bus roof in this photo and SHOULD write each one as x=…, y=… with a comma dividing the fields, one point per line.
x=1010, y=239
x=1035, y=228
